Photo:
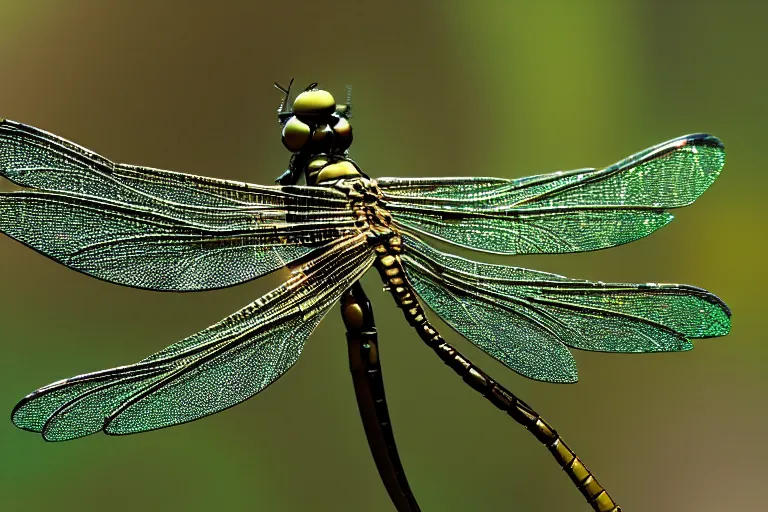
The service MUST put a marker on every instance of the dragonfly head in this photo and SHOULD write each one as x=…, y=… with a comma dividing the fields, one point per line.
x=315, y=124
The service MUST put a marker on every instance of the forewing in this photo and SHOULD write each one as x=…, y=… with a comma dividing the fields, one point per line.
x=151, y=228
x=207, y=372
x=34, y=158
x=525, y=318
x=572, y=211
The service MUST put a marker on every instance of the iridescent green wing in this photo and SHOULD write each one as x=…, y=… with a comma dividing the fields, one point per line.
x=214, y=369
x=155, y=229
x=570, y=211
x=527, y=319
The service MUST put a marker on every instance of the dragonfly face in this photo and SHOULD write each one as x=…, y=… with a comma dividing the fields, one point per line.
x=317, y=131
x=167, y=231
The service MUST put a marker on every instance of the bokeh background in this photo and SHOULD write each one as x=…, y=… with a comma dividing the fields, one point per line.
x=441, y=88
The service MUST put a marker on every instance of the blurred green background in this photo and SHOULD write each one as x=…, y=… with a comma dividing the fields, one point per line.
x=442, y=88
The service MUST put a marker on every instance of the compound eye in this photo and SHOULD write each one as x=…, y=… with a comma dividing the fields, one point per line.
x=310, y=105
x=322, y=134
x=295, y=134
x=322, y=139
x=343, y=134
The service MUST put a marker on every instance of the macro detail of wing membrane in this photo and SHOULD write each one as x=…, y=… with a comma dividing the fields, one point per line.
x=214, y=369
x=569, y=211
x=526, y=319
x=156, y=229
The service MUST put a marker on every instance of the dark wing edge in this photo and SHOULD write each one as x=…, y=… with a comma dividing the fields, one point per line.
x=570, y=211
x=526, y=319
x=207, y=372
x=155, y=229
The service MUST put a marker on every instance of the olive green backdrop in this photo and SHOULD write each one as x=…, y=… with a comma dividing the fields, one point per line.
x=446, y=88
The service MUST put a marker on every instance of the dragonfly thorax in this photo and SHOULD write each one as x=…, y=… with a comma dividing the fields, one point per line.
x=365, y=199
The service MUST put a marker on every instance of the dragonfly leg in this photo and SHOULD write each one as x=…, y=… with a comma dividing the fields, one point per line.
x=365, y=366
x=286, y=178
x=293, y=173
x=393, y=274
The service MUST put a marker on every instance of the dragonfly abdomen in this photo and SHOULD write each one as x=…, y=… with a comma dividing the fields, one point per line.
x=393, y=274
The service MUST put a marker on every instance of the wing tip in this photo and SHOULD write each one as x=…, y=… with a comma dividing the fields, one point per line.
x=18, y=419
x=706, y=170
x=707, y=296
x=726, y=330
x=718, y=327
x=705, y=139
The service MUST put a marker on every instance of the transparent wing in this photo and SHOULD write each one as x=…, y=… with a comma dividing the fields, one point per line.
x=525, y=318
x=214, y=369
x=572, y=211
x=156, y=229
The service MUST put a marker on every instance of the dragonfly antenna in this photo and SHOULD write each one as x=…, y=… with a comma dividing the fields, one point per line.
x=286, y=92
x=349, y=100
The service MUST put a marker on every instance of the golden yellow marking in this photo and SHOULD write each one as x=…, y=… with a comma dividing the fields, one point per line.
x=606, y=504
x=353, y=314
x=338, y=170
x=578, y=469
x=463, y=362
x=317, y=163
x=561, y=452
x=477, y=376
x=591, y=486
x=544, y=428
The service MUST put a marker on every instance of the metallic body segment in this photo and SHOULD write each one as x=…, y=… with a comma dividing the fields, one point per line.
x=390, y=267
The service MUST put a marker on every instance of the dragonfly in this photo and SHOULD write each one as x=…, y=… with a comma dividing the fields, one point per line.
x=167, y=231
